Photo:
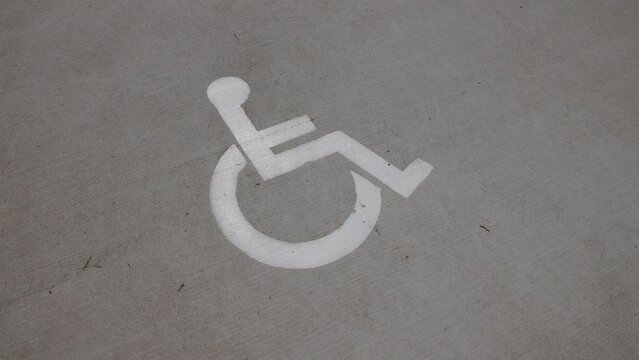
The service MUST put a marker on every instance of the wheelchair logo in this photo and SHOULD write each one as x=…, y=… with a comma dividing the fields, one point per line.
x=227, y=95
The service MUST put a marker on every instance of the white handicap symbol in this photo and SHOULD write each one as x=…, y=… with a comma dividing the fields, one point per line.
x=227, y=95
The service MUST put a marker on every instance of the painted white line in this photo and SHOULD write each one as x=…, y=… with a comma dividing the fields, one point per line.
x=228, y=94
x=265, y=249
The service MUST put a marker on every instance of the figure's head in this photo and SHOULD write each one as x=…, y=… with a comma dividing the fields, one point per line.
x=228, y=93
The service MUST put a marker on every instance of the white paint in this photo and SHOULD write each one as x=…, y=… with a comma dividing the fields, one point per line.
x=228, y=94
x=279, y=253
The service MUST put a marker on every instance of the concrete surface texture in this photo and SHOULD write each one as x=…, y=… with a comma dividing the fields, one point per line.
x=521, y=244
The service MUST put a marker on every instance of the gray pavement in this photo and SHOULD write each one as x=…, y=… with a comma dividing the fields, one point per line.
x=521, y=244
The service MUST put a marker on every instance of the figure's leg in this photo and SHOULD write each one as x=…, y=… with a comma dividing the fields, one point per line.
x=403, y=182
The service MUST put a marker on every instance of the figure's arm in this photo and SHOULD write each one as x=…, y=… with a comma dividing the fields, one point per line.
x=288, y=130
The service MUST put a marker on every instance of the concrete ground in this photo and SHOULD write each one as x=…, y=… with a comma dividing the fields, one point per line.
x=521, y=244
